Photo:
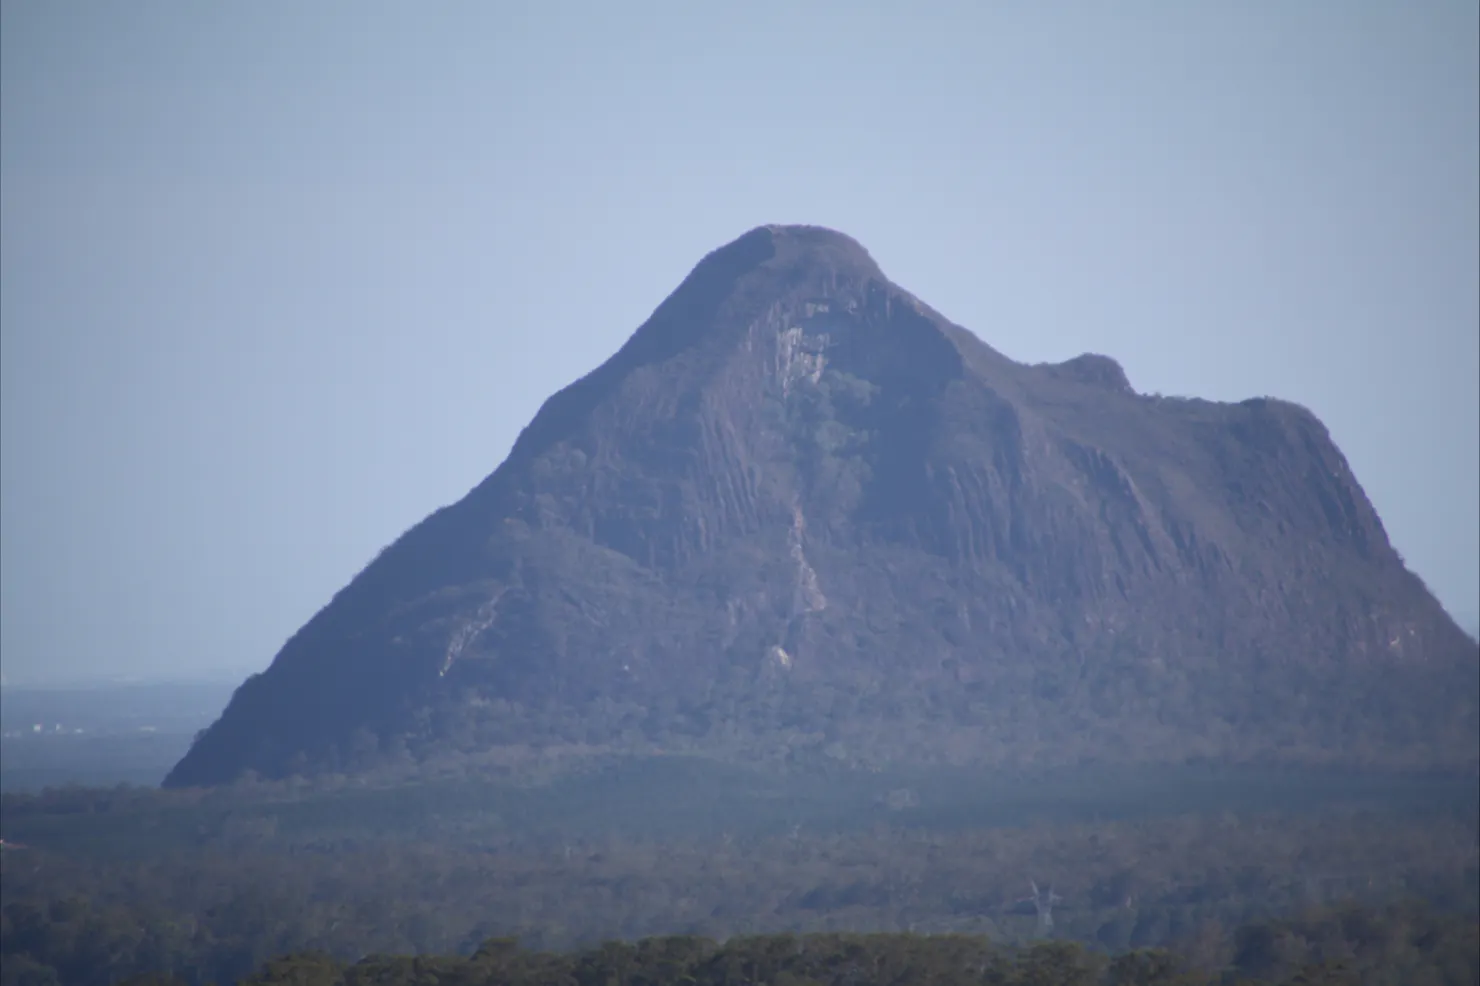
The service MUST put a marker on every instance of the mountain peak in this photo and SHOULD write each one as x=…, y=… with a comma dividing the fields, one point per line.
x=730, y=288
x=820, y=245
x=798, y=253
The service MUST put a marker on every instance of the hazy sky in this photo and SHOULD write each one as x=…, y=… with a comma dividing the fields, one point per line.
x=280, y=278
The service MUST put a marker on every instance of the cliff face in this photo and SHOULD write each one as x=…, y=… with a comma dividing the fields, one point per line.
x=800, y=511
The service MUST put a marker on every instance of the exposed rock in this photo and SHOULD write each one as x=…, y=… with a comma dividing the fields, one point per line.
x=800, y=510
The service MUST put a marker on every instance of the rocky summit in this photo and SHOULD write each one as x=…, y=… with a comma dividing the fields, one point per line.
x=803, y=517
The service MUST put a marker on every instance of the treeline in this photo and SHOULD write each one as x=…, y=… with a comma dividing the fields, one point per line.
x=1347, y=946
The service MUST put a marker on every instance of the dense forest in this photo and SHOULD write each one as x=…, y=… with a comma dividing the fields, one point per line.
x=1402, y=945
x=215, y=886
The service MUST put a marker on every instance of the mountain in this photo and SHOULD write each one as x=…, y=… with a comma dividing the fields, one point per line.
x=802, y=516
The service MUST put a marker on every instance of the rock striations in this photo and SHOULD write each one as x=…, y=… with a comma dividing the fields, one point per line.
x=800, y=514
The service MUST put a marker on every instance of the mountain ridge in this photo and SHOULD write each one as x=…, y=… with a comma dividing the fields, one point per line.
x=799, y=508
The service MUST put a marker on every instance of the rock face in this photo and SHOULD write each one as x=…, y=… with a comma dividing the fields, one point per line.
x=800, y=513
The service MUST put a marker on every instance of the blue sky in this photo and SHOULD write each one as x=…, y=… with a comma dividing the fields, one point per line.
x=281, y=278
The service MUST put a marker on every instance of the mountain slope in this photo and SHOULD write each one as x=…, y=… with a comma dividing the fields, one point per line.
x=801, y=513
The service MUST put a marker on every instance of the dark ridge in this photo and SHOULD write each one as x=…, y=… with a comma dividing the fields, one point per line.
x=1092, y=369
x=667, y=332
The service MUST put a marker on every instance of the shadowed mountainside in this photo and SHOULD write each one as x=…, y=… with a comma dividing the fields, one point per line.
x=801, y=515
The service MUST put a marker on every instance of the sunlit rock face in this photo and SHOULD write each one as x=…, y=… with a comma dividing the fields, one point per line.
x=801, y=513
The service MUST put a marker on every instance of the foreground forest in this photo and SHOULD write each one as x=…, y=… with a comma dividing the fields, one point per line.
x=1403, y=945
x=1398, y=945
x=215, y=886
